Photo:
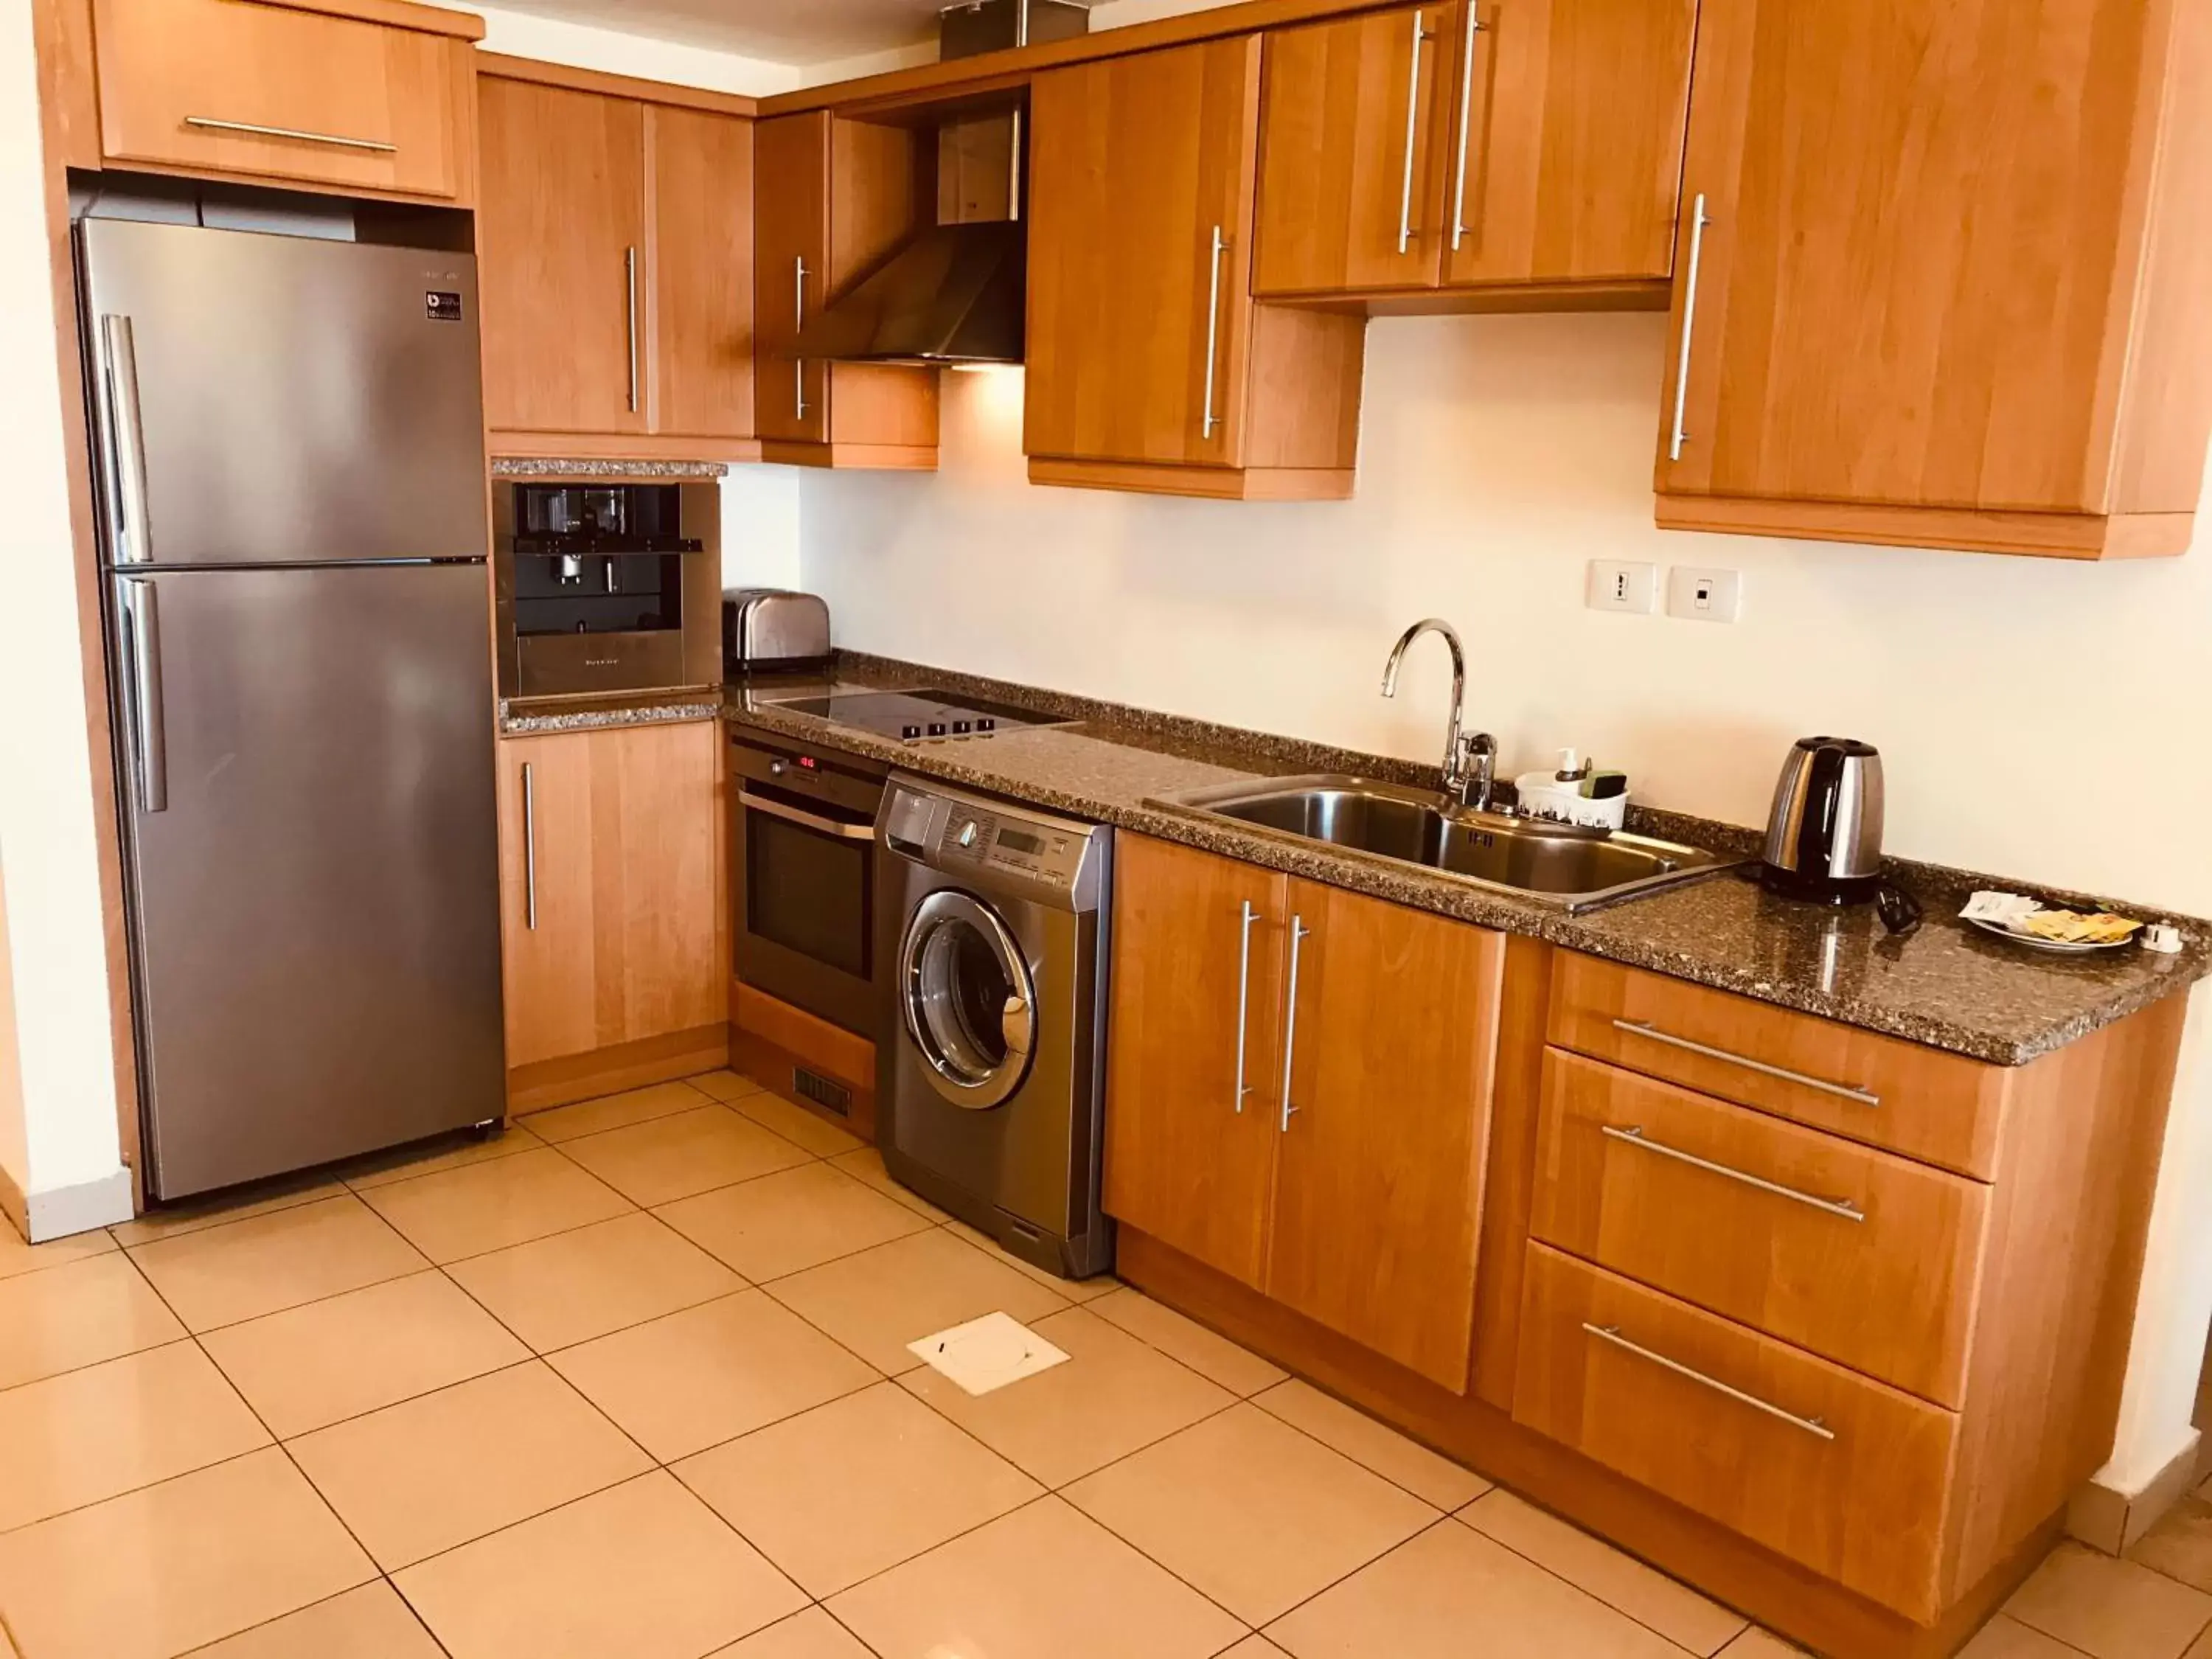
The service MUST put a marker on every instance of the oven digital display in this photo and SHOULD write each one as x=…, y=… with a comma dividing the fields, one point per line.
x=1021, y=842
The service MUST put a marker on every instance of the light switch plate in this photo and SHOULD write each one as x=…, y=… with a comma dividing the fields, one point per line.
x=1616, y=584
x=1700, y=594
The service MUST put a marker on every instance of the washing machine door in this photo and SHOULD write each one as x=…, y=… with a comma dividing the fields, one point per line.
x=969, y=999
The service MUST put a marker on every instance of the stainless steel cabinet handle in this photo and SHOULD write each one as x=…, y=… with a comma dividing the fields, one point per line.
x=1698, y=221
x=142, y=620
x=629, y=284
x=1412, y=132
x=798, y=322
x=1243, y=999
x=126, y=474
x=777, y=808
x=1634, y=1136
x=1812, y=1425
x=336, y=140
x=1639, y=1028
x=529, y=846
x=1474, y=26
x=1299, y=932
x=1213, y=331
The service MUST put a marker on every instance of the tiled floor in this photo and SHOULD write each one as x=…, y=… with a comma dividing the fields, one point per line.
x=633, y=1380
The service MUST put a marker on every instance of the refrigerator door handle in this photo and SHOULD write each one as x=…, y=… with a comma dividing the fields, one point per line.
x=141, y=646
x=134, y=540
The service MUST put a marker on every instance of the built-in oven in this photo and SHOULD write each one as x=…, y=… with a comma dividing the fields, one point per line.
x=804, y=874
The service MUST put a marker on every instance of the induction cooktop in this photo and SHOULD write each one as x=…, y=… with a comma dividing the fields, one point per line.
x=927, y=715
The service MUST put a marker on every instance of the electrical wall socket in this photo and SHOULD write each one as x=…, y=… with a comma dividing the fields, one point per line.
x=1615, y=585
x=1703, y=595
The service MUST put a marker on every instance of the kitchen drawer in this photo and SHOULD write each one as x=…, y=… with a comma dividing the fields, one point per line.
x=1826, y=1468
x=1863, y=1257
x=368, y=107
x=1939, y=1108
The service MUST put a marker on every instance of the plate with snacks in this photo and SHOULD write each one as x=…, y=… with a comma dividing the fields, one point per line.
x=2048, y=928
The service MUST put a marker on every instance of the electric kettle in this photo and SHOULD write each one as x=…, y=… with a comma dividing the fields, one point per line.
x=1824, y=835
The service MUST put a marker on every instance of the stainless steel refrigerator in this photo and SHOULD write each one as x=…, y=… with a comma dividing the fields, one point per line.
x=289, y=448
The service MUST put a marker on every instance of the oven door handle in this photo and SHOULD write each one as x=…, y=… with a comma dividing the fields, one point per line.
x=777, y=808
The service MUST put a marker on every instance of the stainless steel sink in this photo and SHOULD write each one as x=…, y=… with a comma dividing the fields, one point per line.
x=1576, y=868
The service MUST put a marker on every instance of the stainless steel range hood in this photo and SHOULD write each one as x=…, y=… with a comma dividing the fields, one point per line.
x=954, y=295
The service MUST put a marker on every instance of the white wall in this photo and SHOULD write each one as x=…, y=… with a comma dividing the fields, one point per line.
x=580, y=46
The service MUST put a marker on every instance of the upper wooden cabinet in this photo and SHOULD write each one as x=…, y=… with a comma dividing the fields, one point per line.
x=616, y=241
x=836, y=198
x=1528, y=146
x=1149, y=366
x=1942, y=267
x=303, y=94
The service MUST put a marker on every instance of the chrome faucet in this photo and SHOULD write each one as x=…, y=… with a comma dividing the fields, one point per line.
x=1470, y=768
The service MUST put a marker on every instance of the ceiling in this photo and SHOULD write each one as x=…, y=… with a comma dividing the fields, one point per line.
x=799, y=31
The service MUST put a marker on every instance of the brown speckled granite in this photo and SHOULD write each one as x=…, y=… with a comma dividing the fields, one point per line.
x=522, y=717
x=526, y=467
x=1947, y=985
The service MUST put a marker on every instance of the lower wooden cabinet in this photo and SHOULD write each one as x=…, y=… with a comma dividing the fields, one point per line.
x=611, y=889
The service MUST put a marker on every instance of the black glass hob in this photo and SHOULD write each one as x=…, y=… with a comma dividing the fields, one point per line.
x=920, y=716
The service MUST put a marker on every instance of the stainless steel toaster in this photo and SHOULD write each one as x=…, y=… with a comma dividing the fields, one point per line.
x=769, y=629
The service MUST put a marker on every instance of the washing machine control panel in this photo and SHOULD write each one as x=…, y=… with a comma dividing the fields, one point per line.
x=956, y=834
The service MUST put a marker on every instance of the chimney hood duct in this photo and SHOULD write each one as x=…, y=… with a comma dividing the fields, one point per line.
x=956, y=293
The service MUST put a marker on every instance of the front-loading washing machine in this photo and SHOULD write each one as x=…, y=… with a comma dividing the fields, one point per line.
x=990, y=1087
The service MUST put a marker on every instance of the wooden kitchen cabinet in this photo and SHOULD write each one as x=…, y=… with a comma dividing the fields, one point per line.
x=1942, y=267
x=835, y=198
x=1150, y=368
x=613, y=907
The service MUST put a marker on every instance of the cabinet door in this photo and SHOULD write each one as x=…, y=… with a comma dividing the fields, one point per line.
x=1351, y=192
x=545, y=896
x=701, y=170
x=1141, y=179
x=1191, y=1077
x=791, y=242
x=1566, y=154
x=562, y=232
x=1916, y=248
x=1385, y=1126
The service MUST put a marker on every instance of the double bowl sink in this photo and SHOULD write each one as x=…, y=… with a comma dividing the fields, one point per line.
x=1575, y=868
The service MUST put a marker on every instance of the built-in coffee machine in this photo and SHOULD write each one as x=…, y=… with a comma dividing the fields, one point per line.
x=607, y=588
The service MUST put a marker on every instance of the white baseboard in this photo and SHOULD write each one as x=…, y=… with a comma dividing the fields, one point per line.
x=2108, y=1519
x=78, y=1209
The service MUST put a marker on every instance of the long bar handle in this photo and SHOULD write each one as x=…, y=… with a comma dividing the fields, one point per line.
x=798, y=322
x=335, y=140
x=133, y=535
x=1299, y=934
x=1412, y=132
x=1812, y=1425
x=1634, y=1136
x=142, y=620
x=1243, y=1000
x=1698, y=221
x=629, y=290
x=1220, y=246
x=1845, y=1090
x=1474, y=26
x=777, y=808
x=529, y=846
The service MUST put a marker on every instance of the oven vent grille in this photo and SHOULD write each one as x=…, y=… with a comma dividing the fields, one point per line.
x=830, y=1097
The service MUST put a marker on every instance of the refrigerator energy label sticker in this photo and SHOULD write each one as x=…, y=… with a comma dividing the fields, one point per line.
x=442, y=307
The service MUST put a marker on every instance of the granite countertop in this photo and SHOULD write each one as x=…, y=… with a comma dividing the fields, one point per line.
x=528, y=717
x=552, y=469
x=1946, y=985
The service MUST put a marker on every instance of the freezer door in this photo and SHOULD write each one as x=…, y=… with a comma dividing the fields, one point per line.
x=278, y=399
x=314, y=862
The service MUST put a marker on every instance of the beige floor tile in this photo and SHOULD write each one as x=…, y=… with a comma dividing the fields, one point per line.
x=1255, y=1647
x=2003, y=1638
x=311, y=1366
x=60, y=1318
x=7, y=1647
x=489, y=1206
x=1254, y=1513
x=1214, y=1358
x=784, y=1222
x=90, y=1434
x=1422, y=1600
x=169, y=1568
x=673, y=1158
x=1075, y=1290
x=644, y=1570
x=841, y=1493
x=1756, y=1643
x=796, y=1124
x=1114, y=1395
x=240, y=1204
x=1433, y=1479
x=880, y=1300
x=368, y=1623
x=812, y=1634
x=243, y=1269
x=591, y=1117
x=2180, y=1544
x=17, y=1257
x=430, y=1156
x=418, y=1478
x=2110, y=1609
x=694, y=1379
x=1622, y=1583
x=554, y=1292
x=726, y=1085
x=1044, y=1580
x=868, y=1164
